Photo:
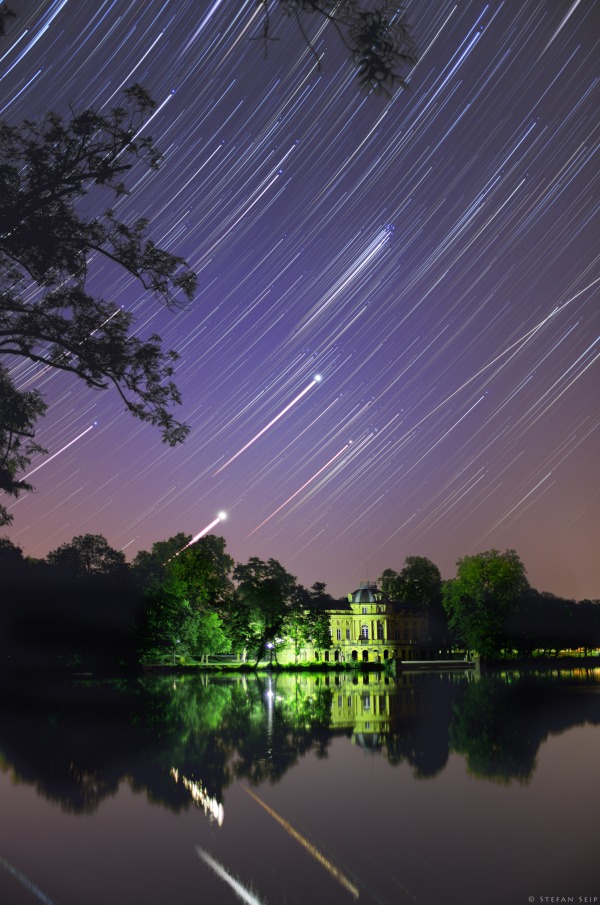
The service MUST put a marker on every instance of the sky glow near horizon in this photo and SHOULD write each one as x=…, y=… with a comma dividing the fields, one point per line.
x=433, y=256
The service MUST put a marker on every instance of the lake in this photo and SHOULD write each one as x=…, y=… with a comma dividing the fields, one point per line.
x=426, y=788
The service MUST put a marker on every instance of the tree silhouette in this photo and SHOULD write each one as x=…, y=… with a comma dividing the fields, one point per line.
x=377, y=40
x=48, y=249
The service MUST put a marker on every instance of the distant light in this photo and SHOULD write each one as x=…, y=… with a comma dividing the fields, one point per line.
x=317, y=378
x=222, y=515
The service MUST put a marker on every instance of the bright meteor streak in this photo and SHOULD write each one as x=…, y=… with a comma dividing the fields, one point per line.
x=300, y=489
x=316, y=379
x=54, y=455
x=220, y=518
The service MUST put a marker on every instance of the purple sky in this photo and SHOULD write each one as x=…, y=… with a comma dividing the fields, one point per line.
x=433, y=256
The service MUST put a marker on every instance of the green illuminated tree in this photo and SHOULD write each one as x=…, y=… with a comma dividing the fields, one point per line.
x=205, y=568
x=170, y=624
x=187, y=594
x=306, y=620
x=318, y=623
x=151, y=565
x=265, y=594
x=481, y=598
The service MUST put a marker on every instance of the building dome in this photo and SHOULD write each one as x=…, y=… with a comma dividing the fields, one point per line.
x=366, y=593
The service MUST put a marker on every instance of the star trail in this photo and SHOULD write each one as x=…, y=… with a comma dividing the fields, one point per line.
x=433, y=255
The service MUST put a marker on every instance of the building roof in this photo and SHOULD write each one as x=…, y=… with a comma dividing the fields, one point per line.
x=367, y=592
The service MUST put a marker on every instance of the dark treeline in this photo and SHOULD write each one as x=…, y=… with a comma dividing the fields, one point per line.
x=84, y=607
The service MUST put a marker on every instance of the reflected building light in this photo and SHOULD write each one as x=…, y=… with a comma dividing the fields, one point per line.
x=212, y=808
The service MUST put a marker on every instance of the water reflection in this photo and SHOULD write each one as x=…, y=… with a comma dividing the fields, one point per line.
x=186, y=742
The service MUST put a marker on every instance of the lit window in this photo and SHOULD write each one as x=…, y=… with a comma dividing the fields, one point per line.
x=364, y=632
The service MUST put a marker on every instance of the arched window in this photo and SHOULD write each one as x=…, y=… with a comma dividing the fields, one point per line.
x=380, y=631
x=364, y=632
x=365, y=655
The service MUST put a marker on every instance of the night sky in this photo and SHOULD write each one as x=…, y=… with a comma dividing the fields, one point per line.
x=432, y=256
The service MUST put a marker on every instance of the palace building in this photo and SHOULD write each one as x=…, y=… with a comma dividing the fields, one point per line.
x=371, y=629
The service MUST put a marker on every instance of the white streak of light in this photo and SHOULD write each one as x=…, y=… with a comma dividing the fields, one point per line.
x=295, y=494
x=263, y=430
x=310, y=848
x=241, y=892
x=562, y=24
x=26, y=882
x=200, y=534
x=54, y=455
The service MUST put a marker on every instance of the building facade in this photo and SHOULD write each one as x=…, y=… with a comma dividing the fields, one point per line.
x=370, y=629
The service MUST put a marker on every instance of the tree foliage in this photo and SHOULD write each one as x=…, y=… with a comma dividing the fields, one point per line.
x=205, y=569
x=87, y=554
x=480, y=599
x=265, y=595
x=186, y=594
x=5, y=14
x=84, y=606
x=546, y=622
x=52, y=174
x=418, y=583
x=170, y=623
x=306, y=620
x=377, y=40
x=149, y=566
x=19, y=411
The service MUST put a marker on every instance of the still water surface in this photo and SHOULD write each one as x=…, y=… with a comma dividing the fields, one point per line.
x=426, y=788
